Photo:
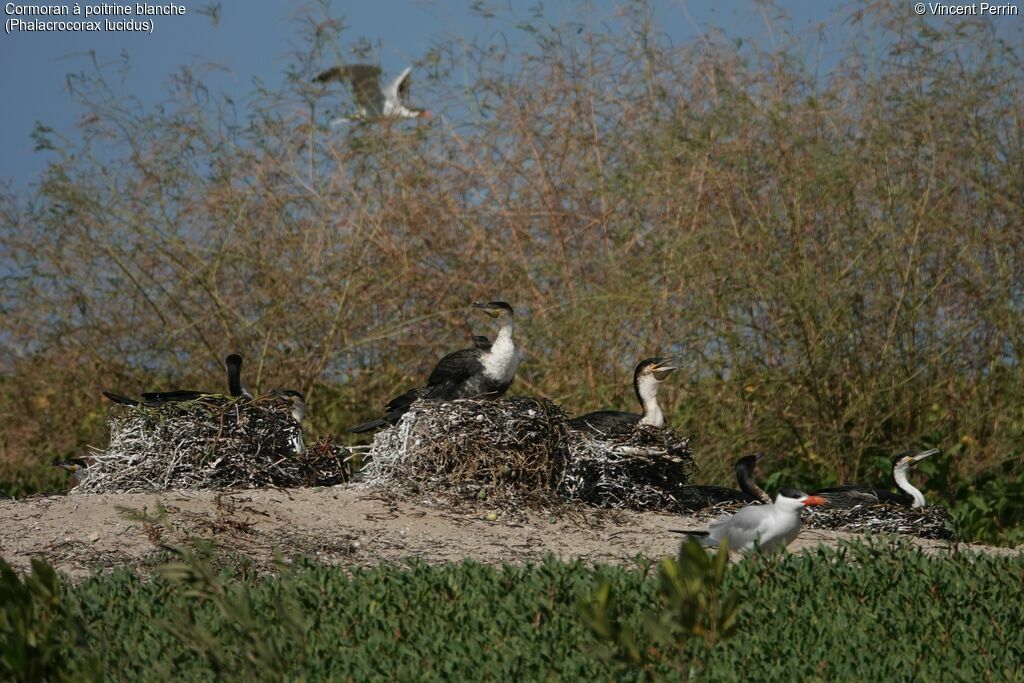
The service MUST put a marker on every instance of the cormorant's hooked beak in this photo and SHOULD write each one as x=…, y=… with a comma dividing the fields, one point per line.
x=489, y=307
x=922, y=455
x=662, y=368
x=758, y=456
x=908, y=458
x=71, y=466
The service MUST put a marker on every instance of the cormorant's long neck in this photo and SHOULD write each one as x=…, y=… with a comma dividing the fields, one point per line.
x=504, y=339
x=899, y=475
x=500, y=361
x=647, y=391
x=747, y=484
x=235, y=378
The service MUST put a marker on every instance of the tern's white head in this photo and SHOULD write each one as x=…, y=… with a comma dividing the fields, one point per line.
x=793, y=499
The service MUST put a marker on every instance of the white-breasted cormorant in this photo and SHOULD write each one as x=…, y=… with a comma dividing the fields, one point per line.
x=764, y=526
x=649, y=373
x=849, y=495
x=372, y=101
x=467, y=373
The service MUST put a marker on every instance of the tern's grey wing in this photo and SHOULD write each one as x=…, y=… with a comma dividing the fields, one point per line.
x=742, y=528
x=363, y=81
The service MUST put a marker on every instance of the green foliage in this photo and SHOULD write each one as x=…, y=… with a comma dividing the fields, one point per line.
x=690, y=604
x=42, y=636
x=990, y=509
x=242, y=646
x=860, y=612
x=693, y=603
x=601, y=613
x=874, y=612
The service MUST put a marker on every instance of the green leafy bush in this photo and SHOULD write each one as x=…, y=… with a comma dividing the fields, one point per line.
x=691, y=604
x=42, y=635
x=859, y=612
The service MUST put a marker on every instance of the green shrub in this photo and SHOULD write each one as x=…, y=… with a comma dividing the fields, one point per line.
x=690, y=604
x=42, y=635
x=859, y=612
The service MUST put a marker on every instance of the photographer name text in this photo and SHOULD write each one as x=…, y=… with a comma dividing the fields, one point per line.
x=972, y=9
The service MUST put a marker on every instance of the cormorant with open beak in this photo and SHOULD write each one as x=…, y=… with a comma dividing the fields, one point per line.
x=467, y=373
x=649, y=373
x=909, y=496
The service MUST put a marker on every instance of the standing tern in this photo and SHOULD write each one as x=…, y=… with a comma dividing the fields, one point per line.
x=763, y=526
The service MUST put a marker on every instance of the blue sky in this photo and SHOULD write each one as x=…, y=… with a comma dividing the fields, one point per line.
x=253, y=39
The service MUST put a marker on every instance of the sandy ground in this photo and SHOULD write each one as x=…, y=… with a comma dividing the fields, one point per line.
x=342, y=525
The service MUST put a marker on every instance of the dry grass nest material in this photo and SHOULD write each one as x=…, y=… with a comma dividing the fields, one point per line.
x=521, y=451
x=210, y=444
x=932, y=521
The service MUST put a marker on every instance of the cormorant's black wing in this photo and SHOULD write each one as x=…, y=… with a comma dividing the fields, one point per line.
x=702, y=496
x=173, y=395
x=456, y=367
x=405, y=400
x=606, y=422
x=448, y=375
x=120, y=398
x=854, y=494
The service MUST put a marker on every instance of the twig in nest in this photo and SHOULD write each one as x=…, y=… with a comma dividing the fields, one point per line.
x=520, y=451
x=932, y=521
x=209, y=445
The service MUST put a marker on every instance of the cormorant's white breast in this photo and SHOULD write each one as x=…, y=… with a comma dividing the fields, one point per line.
x=479, y=372
x=649, y=373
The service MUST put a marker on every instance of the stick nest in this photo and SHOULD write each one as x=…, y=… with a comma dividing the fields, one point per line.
x=210, y=444
x=932, y=521
x=521, y=451
x=646, y=469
